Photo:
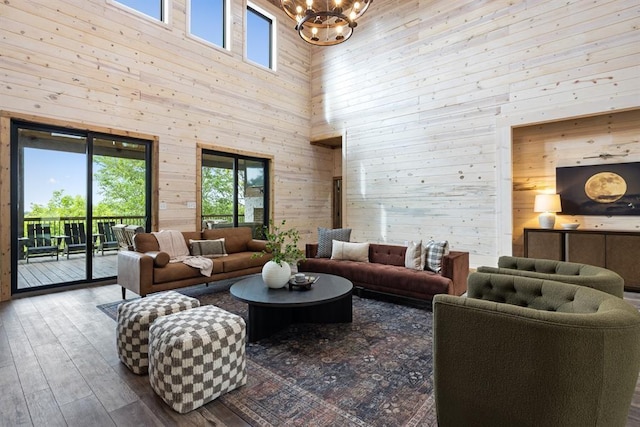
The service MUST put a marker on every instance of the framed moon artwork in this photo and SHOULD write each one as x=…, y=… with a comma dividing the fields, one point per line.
x=599, y=189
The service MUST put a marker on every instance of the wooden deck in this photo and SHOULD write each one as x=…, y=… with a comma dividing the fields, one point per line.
x=45, y=271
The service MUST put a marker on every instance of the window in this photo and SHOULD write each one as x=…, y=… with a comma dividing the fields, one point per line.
x=68, y=188
x=208, y=20
x=153, y=8
x=260, y=37
x=234, y=191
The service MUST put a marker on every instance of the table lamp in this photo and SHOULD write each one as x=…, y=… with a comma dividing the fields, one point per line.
x=548, y=205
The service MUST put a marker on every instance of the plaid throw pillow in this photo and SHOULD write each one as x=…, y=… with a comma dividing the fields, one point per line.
x=435, y=252
x=326, y=237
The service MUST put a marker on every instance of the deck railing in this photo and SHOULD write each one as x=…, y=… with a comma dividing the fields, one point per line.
x=57, y=223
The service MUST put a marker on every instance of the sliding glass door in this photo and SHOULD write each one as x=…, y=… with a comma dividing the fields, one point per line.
x=68, y=189
x=234, y=191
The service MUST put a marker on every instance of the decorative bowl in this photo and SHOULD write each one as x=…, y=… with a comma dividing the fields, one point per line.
x=570, y=226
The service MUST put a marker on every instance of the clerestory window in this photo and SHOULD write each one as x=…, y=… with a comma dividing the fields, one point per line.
x=260, y=37
x=156, y=9
x=209, y=21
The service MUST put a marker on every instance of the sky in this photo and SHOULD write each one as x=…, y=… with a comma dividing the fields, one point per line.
x=46, y=171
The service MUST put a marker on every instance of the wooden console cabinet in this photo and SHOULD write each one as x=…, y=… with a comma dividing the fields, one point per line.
x=618, y=251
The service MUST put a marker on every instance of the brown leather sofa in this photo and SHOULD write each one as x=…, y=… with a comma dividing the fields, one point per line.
x=385, y=273
x=146, y=269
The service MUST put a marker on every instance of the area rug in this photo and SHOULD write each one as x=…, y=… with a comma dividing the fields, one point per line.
x=376, y=371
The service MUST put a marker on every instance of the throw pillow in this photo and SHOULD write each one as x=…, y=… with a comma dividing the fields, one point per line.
x=435, y=252
x=208, y=248
x=327, y=236
x=413, y=258
x=350, y=251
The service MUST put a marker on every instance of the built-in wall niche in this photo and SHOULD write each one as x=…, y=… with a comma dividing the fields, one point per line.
x=539, y=149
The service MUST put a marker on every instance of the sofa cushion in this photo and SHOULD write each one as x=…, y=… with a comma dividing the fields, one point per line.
x=145, y=242
x=381, y=277
x=240, y=261
x=208, y=248
x=387, y=254
x=235, y=239
x=173, y=272
x=350, y=251
x=326, y=237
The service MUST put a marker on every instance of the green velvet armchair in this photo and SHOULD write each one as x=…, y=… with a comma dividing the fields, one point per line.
x=522, y=351
x=560, y=271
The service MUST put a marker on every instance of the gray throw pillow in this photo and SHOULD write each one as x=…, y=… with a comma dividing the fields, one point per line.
x=208, y=248
x=326, y=237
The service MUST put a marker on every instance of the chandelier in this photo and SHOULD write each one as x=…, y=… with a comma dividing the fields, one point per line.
x=325, y=22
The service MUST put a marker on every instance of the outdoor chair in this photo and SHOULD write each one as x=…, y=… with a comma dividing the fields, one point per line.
x=38, y=241
x=75, y=238
x=108, y=241
x=124, y=235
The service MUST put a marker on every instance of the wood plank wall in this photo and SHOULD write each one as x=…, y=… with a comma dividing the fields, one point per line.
x=97, y=65
x=538, y=150
x=425, y=90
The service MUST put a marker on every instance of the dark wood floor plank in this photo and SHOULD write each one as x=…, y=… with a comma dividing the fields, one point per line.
x=135, y=414
x=13, y=406
x=6, y=358
x=66, y=382
x=108, y=387
x=44, y=409
x=32, y=378
x=86, y=412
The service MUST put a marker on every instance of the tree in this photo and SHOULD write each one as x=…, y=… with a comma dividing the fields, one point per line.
x=60, y=205
x=217, y=191
x=121, y=182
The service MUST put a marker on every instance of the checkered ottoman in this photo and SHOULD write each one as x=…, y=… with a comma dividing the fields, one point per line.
x=196, y=356
x=134, y=319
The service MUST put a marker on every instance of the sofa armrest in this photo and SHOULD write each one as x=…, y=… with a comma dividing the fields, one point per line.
x=311, y=250
x=255, y=245
x=455, y=266
x=135, y=272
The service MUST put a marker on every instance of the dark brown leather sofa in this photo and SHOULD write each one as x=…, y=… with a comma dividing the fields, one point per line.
x=146, y=269
x=385, y=273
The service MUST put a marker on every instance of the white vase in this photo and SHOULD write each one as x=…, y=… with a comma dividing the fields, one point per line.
x=275, y=275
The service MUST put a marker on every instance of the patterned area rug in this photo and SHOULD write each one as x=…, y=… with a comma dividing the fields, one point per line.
x=376, y=371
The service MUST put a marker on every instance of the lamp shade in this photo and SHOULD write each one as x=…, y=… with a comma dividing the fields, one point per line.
x=547, y=203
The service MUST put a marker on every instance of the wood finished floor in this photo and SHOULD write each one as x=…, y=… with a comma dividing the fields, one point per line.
x=58, y=366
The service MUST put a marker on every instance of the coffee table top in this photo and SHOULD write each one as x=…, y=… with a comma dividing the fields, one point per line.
x=253, y=291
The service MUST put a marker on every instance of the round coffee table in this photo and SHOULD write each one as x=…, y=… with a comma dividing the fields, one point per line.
x=270, y=310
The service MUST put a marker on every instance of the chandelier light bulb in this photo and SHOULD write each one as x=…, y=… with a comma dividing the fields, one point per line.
x=309, y=4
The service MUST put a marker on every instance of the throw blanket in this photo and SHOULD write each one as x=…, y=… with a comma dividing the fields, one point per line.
x=172, y=242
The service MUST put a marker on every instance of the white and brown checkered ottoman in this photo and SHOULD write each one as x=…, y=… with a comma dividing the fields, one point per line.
x=134, y=319
x=196, y=356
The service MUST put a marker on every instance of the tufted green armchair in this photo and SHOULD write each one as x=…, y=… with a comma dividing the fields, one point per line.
x=560, y=271
x=522, y=351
